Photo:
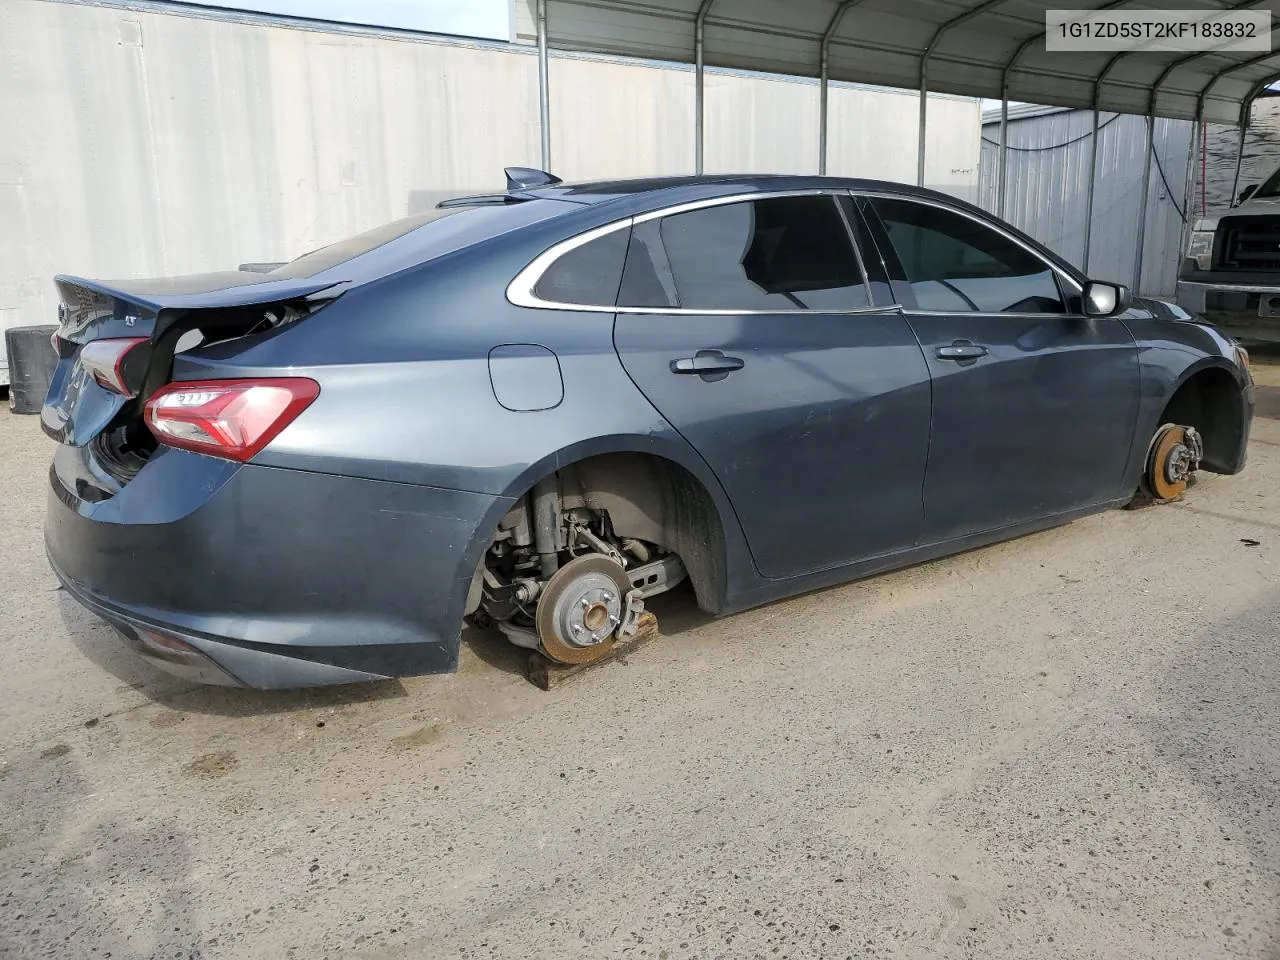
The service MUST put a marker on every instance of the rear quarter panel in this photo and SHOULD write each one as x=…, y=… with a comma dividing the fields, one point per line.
x=407, y=395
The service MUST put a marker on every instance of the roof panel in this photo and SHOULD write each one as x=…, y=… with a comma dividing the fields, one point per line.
x=884, y=42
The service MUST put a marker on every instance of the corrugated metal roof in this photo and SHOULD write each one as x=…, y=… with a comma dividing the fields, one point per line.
x=975, y=45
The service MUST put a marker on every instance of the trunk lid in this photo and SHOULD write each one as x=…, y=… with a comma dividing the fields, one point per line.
x=78, y=408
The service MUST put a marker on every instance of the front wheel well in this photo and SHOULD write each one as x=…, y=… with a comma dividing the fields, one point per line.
x=1210, y=402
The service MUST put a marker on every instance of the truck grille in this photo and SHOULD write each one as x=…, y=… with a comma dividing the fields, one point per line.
x=1249, y=243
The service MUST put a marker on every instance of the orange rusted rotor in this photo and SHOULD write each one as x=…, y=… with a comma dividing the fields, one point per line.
x=1169, y=463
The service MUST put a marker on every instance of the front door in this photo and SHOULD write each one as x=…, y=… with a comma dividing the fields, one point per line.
x=748, y=325
x=1034, y=404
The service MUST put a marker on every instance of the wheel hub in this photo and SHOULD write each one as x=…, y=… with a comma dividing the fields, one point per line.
x=588, y=612
x=581, y=608
x=1178, y=464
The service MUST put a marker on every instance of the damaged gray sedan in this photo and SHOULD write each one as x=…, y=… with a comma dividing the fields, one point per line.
x=539, y=409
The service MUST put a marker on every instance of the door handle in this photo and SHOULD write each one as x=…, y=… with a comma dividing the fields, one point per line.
x=961, y=351
x=709, y=364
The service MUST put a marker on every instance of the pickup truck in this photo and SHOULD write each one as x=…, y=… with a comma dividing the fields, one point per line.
x=1231, y=273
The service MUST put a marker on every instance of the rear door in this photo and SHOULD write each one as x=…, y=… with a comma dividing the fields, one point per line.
x=749, y=324
x=1034, y=404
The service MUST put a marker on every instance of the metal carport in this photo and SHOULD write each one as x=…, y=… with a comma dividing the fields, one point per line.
x=993, y=49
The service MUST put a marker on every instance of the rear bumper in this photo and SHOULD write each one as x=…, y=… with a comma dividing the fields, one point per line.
x=1233, y=307
x=277, y=578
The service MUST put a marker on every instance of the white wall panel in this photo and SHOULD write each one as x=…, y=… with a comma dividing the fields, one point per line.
x=142, y=142
x=614, y=119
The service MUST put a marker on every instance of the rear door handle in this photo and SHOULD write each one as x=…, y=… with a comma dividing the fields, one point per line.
x=962, y=351
x=709, y=364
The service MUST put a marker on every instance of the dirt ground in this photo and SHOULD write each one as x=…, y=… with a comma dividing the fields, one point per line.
x=1067, y=746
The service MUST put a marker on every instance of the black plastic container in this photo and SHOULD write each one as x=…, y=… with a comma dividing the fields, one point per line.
x=31, y=365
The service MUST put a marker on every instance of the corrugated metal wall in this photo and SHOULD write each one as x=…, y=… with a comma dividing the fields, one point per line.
x=139, y=142
x=1048, y=182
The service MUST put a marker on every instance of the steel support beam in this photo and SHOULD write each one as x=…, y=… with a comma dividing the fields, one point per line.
x=1093, y=179
x=1142, y=207
x=1106, y=70
x=1226, y=72
x=1235, y=179
x=824, y=79
x=1158, y=83
x=938, y=34
x=1004, y=94
x=1004, y=155
x=1188, y=186
x=699, y=82
x=544, y=92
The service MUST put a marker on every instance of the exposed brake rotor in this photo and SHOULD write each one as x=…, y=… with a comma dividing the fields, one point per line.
x=1175, y=455
x=582, y=609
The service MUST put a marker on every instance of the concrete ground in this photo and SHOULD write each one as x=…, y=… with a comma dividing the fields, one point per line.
x=1067, y=746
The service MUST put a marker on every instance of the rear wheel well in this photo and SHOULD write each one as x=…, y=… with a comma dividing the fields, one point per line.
x=1210, y=402
x=651, y=498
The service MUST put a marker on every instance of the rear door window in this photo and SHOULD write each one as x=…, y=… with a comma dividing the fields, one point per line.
x=773, y=254
x=956, y=264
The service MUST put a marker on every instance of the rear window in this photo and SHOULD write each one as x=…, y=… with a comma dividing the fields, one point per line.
x=309, y=264
x=413, y=240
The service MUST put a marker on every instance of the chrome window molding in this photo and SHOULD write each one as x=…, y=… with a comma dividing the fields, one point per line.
x=520, y=289
x=994, y=313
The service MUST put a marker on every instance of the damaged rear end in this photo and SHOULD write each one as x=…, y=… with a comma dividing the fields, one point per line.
x=116, y=345
x=115, y=521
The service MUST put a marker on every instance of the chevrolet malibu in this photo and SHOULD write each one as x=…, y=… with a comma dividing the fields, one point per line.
x=539, y=408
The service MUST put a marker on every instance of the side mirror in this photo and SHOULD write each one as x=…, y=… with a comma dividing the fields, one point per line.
x=1246, y=193
x=1105, y=299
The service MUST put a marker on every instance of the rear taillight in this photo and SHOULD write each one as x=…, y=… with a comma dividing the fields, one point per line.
x=227, y=418
x=106, y=361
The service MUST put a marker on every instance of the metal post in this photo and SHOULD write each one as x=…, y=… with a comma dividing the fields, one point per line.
x=1093, y=176
x=924, y=100
x=1142, y=214
x=824, y=59
x=822, y=116
x=1235, y=180
x=1004, y=151
x=699, y=85
x=1188, y=186
x=544, y=96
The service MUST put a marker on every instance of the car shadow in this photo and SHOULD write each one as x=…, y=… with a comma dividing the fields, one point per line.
x=103, y=647
x=72, y=852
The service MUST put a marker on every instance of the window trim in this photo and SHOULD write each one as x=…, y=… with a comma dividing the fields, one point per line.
x=520, y=289
x=1063, y=275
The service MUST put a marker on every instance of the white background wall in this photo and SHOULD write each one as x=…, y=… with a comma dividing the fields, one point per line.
x=139, y=143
